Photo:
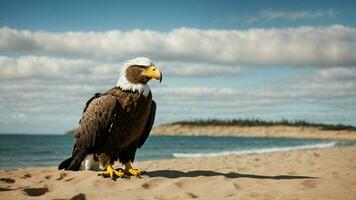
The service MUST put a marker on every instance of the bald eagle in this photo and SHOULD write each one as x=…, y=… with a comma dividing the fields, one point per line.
x=117, y=122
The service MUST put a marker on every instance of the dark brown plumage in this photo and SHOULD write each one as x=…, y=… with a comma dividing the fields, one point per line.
x=114, y=123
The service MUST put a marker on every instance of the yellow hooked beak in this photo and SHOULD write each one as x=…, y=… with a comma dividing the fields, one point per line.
x=153, y=72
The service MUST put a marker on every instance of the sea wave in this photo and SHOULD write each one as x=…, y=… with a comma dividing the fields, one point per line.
x=256, y=151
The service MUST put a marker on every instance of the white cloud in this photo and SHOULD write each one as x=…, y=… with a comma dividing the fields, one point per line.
x=269, y=15
x=332, y=45
x=34, y=67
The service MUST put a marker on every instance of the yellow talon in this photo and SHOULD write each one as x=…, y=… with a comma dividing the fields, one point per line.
x=135, y=172
x=111, y=172
x=132, y=171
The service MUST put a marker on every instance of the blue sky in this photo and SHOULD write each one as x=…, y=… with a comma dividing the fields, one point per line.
x=221, y=59
x=164, y=15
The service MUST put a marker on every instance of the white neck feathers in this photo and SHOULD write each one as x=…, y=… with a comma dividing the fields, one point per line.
x=126, y=85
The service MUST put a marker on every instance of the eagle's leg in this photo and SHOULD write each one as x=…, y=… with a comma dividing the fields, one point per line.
x=130, y=170
x=111, y=172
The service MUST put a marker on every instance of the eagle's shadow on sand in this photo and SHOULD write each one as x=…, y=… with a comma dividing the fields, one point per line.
x=208, y=173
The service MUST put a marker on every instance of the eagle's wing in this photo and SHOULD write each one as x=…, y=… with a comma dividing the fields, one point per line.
x=149, y=124
x=95, y=123
x=98, y=116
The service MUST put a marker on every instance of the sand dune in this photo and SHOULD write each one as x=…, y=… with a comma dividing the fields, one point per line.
x=309, y=174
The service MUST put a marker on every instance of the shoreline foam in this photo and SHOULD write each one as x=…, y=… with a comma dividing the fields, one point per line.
x=256, y=151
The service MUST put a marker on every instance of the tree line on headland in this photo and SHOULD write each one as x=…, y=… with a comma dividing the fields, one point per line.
x=259, y=122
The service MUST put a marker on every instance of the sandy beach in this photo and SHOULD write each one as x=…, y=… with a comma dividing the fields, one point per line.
x=308, y=174
x=254, y=131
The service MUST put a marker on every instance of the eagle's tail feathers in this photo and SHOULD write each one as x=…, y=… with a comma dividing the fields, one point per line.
x=65, y=163
x=74, y=162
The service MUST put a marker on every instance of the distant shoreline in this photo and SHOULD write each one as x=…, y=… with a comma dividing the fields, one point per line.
x=253, y=131
x=255, y=128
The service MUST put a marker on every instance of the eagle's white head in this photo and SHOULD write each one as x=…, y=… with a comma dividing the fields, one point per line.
x=135, y=74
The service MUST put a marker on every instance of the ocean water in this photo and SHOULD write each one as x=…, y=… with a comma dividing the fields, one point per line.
x=49, y=150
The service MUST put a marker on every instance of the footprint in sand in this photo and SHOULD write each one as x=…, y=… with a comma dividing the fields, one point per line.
x=48, y=177
x=69, y=179
x=61, y=176
x=26, y=176
x=151, y=184
x=33, y=192
x=191, y=195
x=146, y=185
x=5, y=189
x=79, y=196
x=7, y=180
